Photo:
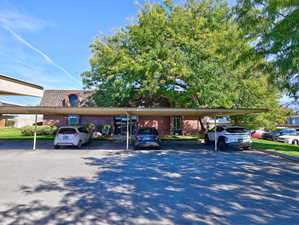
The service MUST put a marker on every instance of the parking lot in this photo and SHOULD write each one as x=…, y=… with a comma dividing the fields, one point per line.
x=189, y=185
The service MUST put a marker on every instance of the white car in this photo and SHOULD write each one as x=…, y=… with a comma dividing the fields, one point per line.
x=71, y=136
x=289, y=139
x=233, y=136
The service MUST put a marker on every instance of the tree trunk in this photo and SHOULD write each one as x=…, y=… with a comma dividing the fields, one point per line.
x=201, y=124
x=236, y=120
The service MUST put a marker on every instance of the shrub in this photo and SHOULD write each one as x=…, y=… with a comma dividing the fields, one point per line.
x=90, y=127
x=40, y=130
x=105, y=129
x=100, y=128
x=10, y=123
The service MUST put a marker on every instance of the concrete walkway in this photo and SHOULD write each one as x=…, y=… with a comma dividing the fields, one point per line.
x=146, y=187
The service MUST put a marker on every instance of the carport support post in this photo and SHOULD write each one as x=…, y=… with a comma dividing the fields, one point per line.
x=128, y=131
x=35, y=128
x=215, y=132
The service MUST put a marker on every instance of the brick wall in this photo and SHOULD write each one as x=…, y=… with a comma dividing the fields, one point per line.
x=2, y=122
x=161, y=123
x=191, y=125
x=97, y=120
x=58, y=120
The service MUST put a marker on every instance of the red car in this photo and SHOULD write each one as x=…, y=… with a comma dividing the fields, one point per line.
x=257, y=134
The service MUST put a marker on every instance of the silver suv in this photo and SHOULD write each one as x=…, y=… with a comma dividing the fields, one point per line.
x=233, y=136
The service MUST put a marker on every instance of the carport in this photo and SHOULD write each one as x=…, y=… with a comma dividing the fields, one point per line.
x=128, y=111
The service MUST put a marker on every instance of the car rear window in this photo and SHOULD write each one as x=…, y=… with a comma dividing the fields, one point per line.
x=235, y=130
x=150, y=131
x=67, y=131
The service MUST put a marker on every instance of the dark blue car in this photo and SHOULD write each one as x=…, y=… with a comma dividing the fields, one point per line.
x=147, y=137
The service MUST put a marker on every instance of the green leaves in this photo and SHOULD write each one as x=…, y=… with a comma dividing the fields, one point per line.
x=192, y=54
x=275, y=26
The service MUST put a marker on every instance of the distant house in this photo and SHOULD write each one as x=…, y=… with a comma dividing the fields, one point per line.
x=80, y=98
x=19, y=120
x=293, y=120
x=4, y=118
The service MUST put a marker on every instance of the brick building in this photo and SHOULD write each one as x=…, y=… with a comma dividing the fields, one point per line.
x=78, y=98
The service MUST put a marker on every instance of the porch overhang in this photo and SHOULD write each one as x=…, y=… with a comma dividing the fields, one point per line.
x=15, y=87
x=126, y=110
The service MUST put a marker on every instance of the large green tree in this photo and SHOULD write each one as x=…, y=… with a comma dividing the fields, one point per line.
x=275, y=24
x=191, y=55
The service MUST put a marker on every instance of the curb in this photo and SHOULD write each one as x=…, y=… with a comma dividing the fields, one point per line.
x=279, y=154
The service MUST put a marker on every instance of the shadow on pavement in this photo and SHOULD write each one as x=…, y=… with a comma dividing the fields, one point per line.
x=168, y=188
x=98, y=145
x=48, y=145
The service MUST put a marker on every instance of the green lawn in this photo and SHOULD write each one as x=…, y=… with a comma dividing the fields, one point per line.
x=277, y=146
x=15, y=134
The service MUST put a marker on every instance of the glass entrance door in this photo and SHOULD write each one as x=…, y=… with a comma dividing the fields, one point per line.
x=120, y=124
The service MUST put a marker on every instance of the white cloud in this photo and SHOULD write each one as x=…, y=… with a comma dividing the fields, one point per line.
x=19, y=21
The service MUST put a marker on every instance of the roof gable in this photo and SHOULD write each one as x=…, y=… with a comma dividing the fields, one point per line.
x=58, y=97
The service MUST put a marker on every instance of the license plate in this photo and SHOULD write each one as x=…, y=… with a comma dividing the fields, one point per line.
x=65, y=137
x=241, y=140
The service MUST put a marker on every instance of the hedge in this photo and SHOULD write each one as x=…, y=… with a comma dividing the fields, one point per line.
x=90, y=127
x=105, y=129
x=10, y=123
x=40, y=130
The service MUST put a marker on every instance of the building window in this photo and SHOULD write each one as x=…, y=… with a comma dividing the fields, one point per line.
x=73, y=99
x=177, y=125
x=177, y=120
x=73, y=120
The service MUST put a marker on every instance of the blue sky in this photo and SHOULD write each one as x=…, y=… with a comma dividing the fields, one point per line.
x=47, y=42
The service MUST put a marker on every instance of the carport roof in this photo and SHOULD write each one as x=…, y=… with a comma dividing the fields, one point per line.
x=126, y=110
x=15, y=87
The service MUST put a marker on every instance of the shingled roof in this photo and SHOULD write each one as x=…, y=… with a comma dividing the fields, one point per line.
x=58, y=97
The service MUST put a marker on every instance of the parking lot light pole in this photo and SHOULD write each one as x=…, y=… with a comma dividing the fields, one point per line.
x=215, y=132
x=34, y=138
x=128, y=131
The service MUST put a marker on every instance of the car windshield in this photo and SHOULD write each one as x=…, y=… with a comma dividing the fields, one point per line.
x=67, y=131
x=148, y=131
x=234, y=130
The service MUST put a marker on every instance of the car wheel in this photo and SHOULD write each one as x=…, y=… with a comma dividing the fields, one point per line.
x=56, y=146
x=221, y=144
x=295, y=142
x=207, y=141
x=79, y=145
x=246, y=148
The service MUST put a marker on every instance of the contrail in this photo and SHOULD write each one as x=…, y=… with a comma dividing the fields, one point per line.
x=47, y=58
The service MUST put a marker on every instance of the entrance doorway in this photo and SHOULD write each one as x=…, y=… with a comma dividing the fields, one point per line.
x=120, y=125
